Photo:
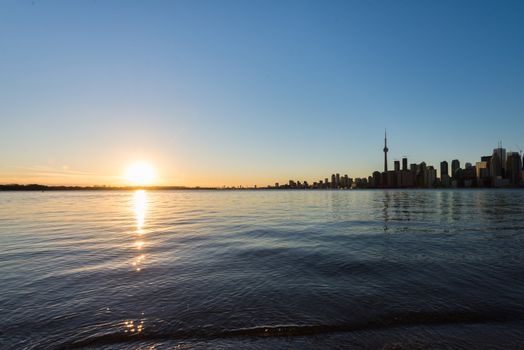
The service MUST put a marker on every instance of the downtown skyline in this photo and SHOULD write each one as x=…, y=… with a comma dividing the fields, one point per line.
x=498, y=170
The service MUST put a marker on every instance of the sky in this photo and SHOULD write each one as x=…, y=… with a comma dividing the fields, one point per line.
x=214, y=93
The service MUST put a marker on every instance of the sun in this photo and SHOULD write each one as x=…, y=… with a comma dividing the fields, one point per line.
x=140, y=174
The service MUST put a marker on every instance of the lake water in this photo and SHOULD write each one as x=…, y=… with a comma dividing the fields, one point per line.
x=262, y=269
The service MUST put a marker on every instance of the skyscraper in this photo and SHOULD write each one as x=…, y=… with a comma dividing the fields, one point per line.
x=501, y=154
x=455, y=165
x=385, y=152
x=514, y=168
x=443, y=169
x=496, y=164
x=404, y=164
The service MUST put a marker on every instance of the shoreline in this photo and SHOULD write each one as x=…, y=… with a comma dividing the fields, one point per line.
x=45, y=188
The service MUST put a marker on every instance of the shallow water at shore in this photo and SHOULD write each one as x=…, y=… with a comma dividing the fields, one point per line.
x=392, y=269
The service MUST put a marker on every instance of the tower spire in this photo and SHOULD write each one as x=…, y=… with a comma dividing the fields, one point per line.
x=385, y=151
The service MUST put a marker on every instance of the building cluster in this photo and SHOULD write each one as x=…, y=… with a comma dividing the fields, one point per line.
x=500, y=169
x=336, y=181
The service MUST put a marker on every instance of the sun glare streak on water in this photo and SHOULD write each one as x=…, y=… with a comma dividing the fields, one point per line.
x=140, y=209
x=140, y=203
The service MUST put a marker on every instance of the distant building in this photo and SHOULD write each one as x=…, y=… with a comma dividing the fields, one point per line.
x=377, y=179
x=469, y=175
x=496, y=170
x=444, y=169
x=458, y=178
x=406, y=179
x=431, y=176
x=455, y=165
x=391, y=179
x=483, y=175
x=421, y=175
x=397, y=165
x=404, y=164
x=501, y=152
x=445, y=180
x=514, y=168
x=482, y=169
x=498, y=167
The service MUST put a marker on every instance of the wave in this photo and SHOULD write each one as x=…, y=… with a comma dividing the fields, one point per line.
x=392, y=321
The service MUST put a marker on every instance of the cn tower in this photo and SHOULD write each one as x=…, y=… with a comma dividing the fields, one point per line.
x=385, y=152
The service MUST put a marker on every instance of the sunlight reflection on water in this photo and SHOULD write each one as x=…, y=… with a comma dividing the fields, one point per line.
x=140, y=204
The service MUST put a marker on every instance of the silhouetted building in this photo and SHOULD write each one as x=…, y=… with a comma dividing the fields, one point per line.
x=482, y=169
x=469, y=175
x=406, y=179
x=483, y=175
x=444, y=169
x=458, y=179
x=455, y=165
x=430, y=176
x=445, y=180
x=421, y=175
x=502, y=156
x=377, y=179
x=496, y=170
x=514, y=168
x=397, y=165
x=404, y=164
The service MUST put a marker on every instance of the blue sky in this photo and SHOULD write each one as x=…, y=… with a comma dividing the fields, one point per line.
x=253, y=92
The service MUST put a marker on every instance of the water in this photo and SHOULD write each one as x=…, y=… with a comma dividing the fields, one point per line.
x=262, y=269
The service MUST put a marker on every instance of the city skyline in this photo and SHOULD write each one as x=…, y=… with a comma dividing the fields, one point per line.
x=499, y=169
x=236, y=93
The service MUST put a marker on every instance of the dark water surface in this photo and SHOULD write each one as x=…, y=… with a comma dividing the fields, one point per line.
x=262, y=270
